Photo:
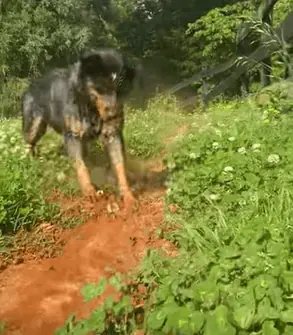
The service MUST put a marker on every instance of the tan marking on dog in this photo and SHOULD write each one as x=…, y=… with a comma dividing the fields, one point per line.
x=84, y=179
x=29, y=149
x=123, y=183
x=34, y=128
x=73, y=124
x=99, y=102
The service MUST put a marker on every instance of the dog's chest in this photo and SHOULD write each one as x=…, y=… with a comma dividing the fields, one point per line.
x=86, y=126
x=91, y=126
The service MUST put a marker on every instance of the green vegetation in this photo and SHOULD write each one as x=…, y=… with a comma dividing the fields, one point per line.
x=230, y=171
x=233, y=274
x=147, y=130
x=174, y=40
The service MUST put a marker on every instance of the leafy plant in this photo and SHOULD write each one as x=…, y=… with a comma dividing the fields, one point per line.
x=234, y=271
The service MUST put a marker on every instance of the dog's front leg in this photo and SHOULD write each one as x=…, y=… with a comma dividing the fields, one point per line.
x=113, y=141
x=75, y=151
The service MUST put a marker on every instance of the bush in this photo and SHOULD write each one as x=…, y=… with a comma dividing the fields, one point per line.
x=10, y=95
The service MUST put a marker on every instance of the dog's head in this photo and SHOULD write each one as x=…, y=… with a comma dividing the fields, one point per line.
x=106, y=77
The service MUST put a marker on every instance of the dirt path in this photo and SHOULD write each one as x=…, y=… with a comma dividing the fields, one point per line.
x=37, y=296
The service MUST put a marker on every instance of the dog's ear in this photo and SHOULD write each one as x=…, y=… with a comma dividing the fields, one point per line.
x=91, y=63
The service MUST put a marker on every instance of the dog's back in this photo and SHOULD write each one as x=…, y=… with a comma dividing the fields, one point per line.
x=47, y=97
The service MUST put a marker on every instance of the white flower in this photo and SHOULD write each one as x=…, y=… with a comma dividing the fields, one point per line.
x=265, y=114
x=242, y=150
x=171, y=166
x=253, y=198
x=193, y=155
x=231, y=139
x=216, y=145
x=228, y=169
x=273, y=159
x=214, y=197
x=61, y=176
x=255, y=146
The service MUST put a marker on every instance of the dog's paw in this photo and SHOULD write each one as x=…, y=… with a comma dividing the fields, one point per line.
x=91, y=194
x=129, y=202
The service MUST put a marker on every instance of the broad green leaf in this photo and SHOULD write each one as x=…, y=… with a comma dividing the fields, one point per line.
x=230, y=252
x=196, y=321
x=265, y=311
x=288, y=279
x=268, y=328
x=116, y=282
x=287, y=316
x=206, y=293
x=215, y=273
x=246, y=297
x=260, y=292
x=217, y=322
x=96, y=321
x=274, y=248
x=162, y=293
x=109, y=302
x=156, y=319
x=275, y=294
x=92, y=291
x=244, y=316
x=123, y=306
x=178, y=321
x=288, y=330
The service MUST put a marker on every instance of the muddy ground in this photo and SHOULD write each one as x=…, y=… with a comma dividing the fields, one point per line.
x=41, y=280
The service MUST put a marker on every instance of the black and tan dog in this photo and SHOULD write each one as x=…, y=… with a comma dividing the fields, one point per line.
x=83, y=102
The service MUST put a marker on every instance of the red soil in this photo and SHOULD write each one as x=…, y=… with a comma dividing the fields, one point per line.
x=37, y=295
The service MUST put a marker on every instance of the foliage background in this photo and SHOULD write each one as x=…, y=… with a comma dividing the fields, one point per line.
x=173, y=39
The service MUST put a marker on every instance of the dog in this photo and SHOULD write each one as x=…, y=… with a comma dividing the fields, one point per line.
x=83, y=102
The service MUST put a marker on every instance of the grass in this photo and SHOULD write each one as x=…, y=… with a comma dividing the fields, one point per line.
x=233, y=184
x=149, y=132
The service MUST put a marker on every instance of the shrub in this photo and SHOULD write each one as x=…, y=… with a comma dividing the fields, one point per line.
x=10, y=94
